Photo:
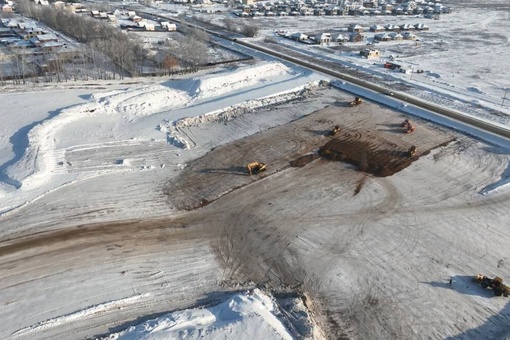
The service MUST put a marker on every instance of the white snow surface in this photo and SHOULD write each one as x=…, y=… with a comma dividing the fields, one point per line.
x=251, y=315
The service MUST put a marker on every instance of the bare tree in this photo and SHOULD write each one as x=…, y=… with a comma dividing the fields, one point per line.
x=250, y=30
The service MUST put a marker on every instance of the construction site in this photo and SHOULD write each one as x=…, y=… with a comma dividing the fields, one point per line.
x=386, y=225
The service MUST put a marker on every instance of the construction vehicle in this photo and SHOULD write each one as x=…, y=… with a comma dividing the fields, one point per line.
x=495, y=284
x=408, y=126
x=356, y=101
x=255, y=168
x=411, y=151
x=335, y=130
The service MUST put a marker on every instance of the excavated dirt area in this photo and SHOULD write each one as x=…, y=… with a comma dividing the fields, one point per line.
x=370, y=138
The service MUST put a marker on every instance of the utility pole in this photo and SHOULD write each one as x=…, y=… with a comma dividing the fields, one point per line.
x=504, y=97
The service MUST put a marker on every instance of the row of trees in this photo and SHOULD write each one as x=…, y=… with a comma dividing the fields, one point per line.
x=106, y=52
x=101, y=41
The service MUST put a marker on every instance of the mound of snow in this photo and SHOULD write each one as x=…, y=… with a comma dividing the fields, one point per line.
x=145, y=100
x=220, y=83
x=243, y=316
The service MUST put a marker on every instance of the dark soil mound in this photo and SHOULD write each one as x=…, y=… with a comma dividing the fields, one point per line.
x=372, y=155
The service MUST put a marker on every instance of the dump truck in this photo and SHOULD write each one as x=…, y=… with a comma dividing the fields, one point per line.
x=496, y=284
x=356, y=101
x=255, y=168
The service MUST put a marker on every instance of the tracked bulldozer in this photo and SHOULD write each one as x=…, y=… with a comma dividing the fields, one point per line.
x=356, y=101
x=255, y=168
x=496, y=284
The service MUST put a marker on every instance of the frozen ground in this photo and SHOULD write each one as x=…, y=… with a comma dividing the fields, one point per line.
x=92, y=241
x=245, y=315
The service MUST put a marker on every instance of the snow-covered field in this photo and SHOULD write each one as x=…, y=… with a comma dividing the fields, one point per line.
x=91, y=243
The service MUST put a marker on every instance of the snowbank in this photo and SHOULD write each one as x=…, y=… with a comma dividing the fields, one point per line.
x=143, y=101
x=228, y=81
x=243, y=316
x=38, y=165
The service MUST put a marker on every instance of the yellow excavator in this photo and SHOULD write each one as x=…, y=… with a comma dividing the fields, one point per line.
x=255, y=168
x=335, y=130
x=356, y=101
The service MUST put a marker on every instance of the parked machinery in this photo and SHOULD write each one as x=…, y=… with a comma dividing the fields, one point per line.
x=408, y=126
x=411, y=151
x=335, y=130
x=495, y=284
x=255, y=168
x=356, y=101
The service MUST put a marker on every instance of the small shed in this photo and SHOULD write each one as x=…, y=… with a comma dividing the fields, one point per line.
x=168, y=26
x=370, y=53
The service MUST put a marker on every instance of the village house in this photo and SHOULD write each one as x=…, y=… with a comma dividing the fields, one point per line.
x=382, y=37
x=421, y=27
x=50, y=46
x=324, y=38
x=377, y=28
x=44, y=38
x=409, y=36
x=340, y=38
x=31, y=33
x=396, y=36
x=355, y=28
x=6, y=32
x=355, y=37
x=391, y=27
x=136, y=19
x=406, y=27
x=298, y=36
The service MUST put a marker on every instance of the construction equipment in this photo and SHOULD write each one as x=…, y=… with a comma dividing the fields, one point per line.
x=255, y=168
x=408, y=126
x=335, y=130
x=411, y=151
x=356, y=101
x=495, y=284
